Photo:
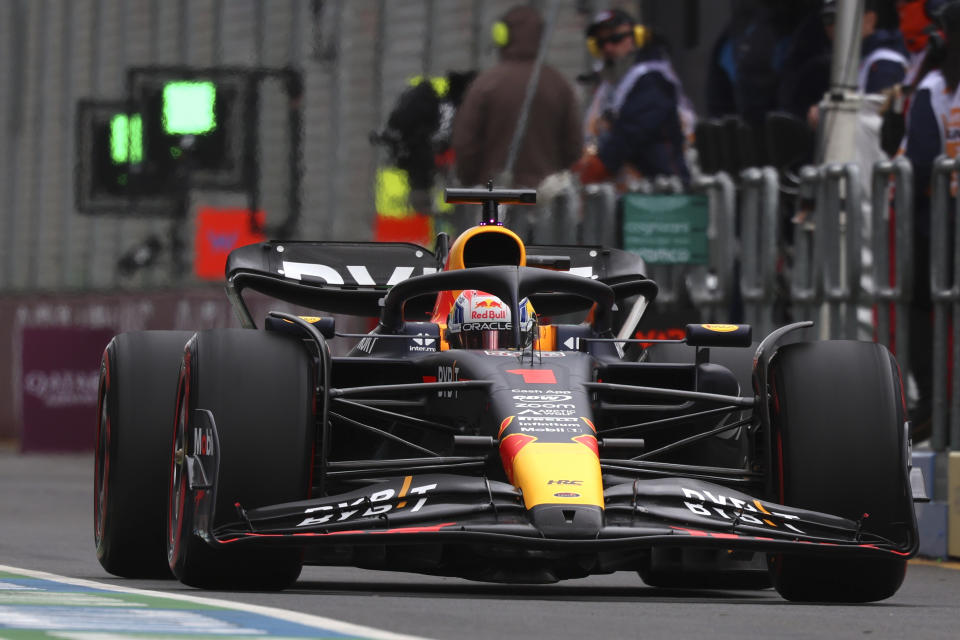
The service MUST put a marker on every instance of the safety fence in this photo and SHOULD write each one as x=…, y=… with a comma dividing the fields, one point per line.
x=945, y=295
x=830, y=246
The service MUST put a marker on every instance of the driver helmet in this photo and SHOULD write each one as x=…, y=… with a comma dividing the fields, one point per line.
x=480, y=320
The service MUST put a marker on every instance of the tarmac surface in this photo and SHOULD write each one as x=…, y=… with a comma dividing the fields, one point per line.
x=46, y=517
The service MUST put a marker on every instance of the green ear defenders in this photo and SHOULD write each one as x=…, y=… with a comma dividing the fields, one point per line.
x=500, y=33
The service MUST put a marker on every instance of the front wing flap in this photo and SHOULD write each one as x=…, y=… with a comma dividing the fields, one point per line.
x=441, y=508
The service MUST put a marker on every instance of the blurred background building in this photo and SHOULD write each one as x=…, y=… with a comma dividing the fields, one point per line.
x=143, y=139
x=354, y=58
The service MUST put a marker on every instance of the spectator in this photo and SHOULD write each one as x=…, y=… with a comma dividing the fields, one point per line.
x=883, y=54
x=747, y=61
x=634, y=124
x=925, y=48
x=932, y=129
x=883, y=63
x=486, y=121
x=917, y=27
x=806, y=67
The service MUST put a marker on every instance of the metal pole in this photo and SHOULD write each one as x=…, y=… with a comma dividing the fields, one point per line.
x=839, y=112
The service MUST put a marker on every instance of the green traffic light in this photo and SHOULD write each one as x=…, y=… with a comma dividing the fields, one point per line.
x=126, y=139
x=188, y=107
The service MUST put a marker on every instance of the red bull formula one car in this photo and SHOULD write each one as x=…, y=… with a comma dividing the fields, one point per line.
x=466, y=435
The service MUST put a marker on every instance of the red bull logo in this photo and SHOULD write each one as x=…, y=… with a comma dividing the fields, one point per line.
x=489, y=303
x=489, y=314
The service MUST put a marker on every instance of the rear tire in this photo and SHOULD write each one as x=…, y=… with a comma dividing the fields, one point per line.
x=840, y=448
x=136, y=401
x=259, y=387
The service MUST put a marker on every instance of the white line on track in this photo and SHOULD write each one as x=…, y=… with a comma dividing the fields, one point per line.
x=306, y=619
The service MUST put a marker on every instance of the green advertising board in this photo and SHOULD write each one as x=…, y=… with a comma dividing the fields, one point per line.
x=666, y=228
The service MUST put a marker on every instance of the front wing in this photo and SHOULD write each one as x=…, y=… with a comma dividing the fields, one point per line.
x=454, y=509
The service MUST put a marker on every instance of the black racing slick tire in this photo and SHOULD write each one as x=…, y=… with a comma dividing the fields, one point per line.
x=259, y=388
x=136, y=401
x=840, y=447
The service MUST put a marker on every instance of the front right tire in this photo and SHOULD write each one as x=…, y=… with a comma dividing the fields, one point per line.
x=838, y=421
x=259, y=387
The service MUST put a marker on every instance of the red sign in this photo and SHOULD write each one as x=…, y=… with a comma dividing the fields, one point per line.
x=220, y=231
x=415, y=228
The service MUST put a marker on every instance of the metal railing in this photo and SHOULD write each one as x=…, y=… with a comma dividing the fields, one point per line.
x=805, y=290
x=891, y=243
x=711, y=286
x=841, y=239
x=759, y=240
x=827, y=248
x=945, y=295
x=849, y=251
x=599, y=224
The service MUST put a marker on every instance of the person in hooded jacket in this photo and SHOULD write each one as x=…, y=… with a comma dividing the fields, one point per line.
x=484, y=126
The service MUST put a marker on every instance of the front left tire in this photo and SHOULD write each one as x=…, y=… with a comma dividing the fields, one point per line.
x=259, y=388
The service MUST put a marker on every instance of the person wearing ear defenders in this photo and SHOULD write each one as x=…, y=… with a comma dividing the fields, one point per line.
x=635, y=123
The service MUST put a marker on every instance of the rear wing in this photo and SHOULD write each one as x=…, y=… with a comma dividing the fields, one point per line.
x=352, y=277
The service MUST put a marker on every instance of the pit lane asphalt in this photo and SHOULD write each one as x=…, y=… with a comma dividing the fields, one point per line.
x=46, y=524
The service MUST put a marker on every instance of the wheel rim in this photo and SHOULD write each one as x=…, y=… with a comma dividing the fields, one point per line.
x=101, y=460
x=177, y=492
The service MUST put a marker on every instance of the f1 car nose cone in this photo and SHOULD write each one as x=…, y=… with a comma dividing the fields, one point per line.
x=567, y=521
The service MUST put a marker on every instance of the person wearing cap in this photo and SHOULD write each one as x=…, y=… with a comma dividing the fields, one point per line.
x=634, y=126
x=933, y=128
